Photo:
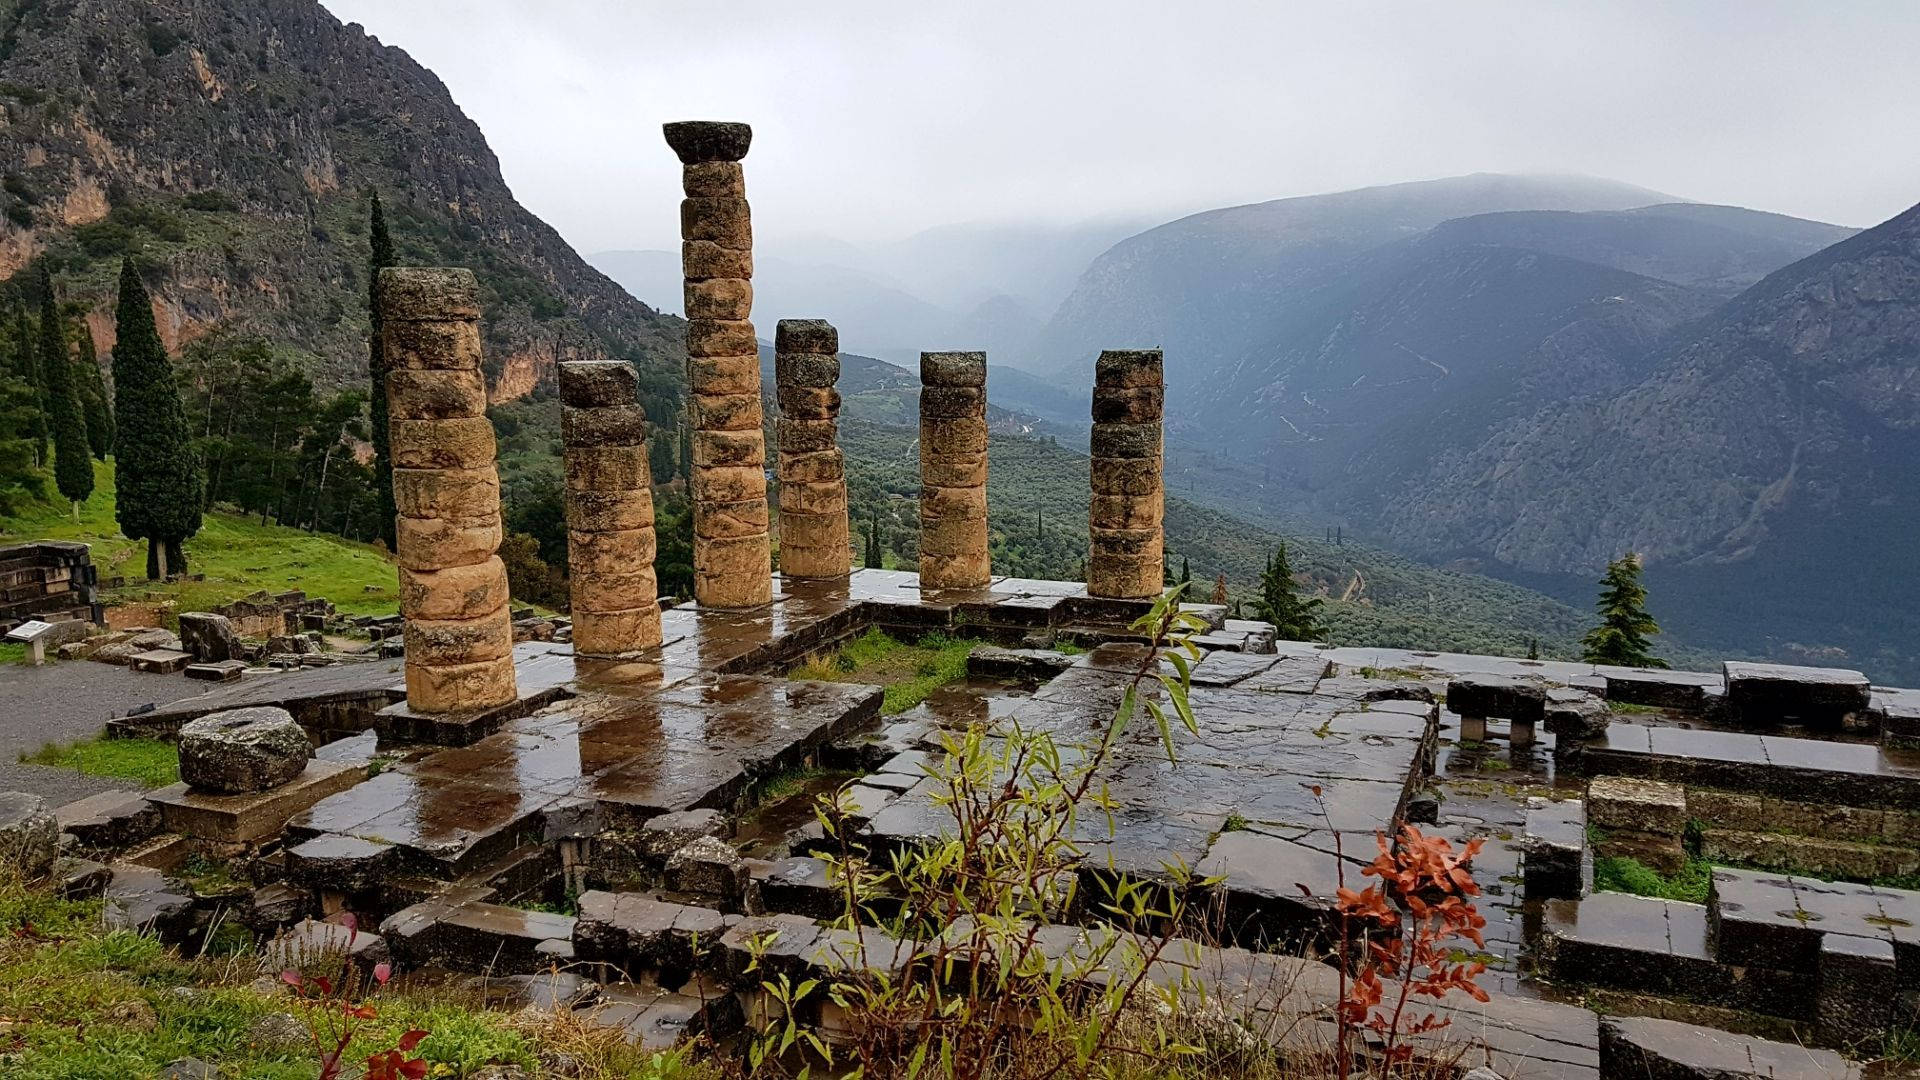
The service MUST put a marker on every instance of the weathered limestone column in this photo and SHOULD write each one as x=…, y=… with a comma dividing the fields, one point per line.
x=953, y=471
x=453, y=586
x=813, y=475
x=732, y=566
x=1124, y=516
x=610, y=543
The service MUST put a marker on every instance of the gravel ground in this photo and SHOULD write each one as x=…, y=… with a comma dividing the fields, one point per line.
x=65, y=702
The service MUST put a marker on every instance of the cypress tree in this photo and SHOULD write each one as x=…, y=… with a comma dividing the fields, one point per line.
x=1625, y=627
x=26, y=359
x=72, y=463
x=874, y=558
x=93, y=398
x=382, y=255
x=1281, y=604
x=1186, y=572
x=158, y=476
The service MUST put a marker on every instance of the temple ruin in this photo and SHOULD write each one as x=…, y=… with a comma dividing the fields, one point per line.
x=610, y=542
x=732, y=562
x=953, y=471
x=650, y=775
x=813, y=475
x=453, y=586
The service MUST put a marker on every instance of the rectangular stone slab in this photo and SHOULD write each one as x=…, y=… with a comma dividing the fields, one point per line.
x=236, y=819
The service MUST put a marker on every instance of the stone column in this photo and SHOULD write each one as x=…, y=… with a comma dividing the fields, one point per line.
x=610, y=547
x=453, y=586
x=732, y=566
x=953, y=471
x=1125, y=514
x=813, y=476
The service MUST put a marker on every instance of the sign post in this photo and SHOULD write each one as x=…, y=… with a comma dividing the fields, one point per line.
x=34, y=633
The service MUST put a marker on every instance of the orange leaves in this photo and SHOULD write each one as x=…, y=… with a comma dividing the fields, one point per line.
x=1409, y=920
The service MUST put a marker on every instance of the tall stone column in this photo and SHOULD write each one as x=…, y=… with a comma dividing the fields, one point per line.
x=610, y=544
x=732, y=566
x=953, y=471
x=1125, y=514
x=453, y=586
x=813, y=475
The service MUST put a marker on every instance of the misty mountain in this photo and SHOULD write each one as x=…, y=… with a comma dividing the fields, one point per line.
x=1768, y=465
x=1215, y=285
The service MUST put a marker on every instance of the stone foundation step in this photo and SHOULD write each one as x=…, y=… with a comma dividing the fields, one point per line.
x=160, y=661
x=1846, y=859
x=1643, y=1046
x=479, y=938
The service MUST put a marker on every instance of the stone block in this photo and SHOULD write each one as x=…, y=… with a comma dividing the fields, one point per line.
x=721, y=337
x=740, y=483
x=244, y=818
x=458, y=443
x=663, y=835
x=460, y=687
x=1768, y=693
x=222, y=671
x=29, y=835
x=627, y=551
x=816, y=336
x=425, y=293
x=953, y=369
x=702, y=259
x=1644, y=806
x=1555, y=863
x=336, y=863
x=610, y=511
x=607, y=468
x=701, y=141
x=726, y=412
x=952, y=402
x=1497, y=696
x=612, y=633
x=1857, y=989
x=1138, y=405
x=432, y=345
x=727, y=222
x=1136, y=440
x=449, y=642
x=714, y=179
x=1127, y=511
x=1642, y=1046
x=801, y=885
x=724, y=374
x=436, y=395
x=615, y=591
x=1576, y=715
x=718, y=298
x=243, y=750
x=1682, y=691
x=436, y=544
x=827, y=467
x=319, y=947
x=612, y=425
x=708, y=867
x=209, y=637
x=447, y=494
x=160, y=661
x=111, y=820
x=956, y=439
x=457, y=592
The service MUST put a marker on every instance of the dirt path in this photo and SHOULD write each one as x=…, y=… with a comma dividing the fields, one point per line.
x=65, y=702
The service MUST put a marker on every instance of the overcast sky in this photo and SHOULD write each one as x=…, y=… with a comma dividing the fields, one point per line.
x=874, y=120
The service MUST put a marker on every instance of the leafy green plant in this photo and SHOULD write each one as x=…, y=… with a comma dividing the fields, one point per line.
x=974, y=992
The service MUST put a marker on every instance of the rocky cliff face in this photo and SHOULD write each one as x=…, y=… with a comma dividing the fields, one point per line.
x=231, y=145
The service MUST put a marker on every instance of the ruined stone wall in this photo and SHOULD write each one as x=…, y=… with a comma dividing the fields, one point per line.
x=732, y=562
x=453, y=586
x=610, y=541
x=1125, y=514
x=813, y=477
x=953, y=471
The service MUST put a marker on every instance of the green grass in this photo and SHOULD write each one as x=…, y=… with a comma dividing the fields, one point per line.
x=149, y=762
x=1630, y=707
x=15, y=652
x=237, y=554
x=82, y=1003
x=1628, y=875
x=906, y=673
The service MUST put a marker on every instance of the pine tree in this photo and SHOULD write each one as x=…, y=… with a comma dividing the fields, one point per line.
x=1219, y=590
x=93, y=397
x=72, y=463
x=1625, y=627
x=1186, y=572
x=155, y=468
x=19, y=409
x=1281, y=604
x=874, y=558
x=1533, y=648
x=26, y=365
x=382, y=255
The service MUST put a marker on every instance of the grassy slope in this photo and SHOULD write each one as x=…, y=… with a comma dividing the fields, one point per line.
x=237, y=554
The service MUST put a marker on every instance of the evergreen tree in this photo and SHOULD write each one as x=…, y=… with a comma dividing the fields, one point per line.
x=26, y=361
x=156, y=470
x=1625, y=627
x=19, y=411
x=1280, y=603
x=874, y=558
x=1219, y=590
x=72, y=461
x=382, y=255
x=1533, y=648
x=93, y=397
x=1186, y=572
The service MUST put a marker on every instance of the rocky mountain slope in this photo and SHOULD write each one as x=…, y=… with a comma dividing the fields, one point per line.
x=1768, y=462
x=230, y=146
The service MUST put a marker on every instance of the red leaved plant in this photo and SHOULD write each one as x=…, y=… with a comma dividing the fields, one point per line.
x=1409, y=921
x=333, y=1012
